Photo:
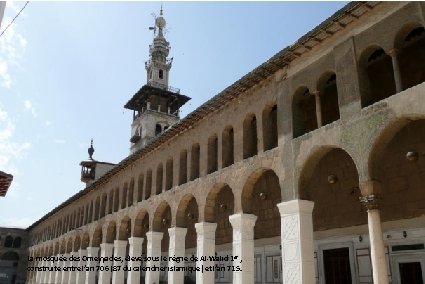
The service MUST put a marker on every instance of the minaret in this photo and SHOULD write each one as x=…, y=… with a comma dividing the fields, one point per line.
x=92, y=170
x=156, y=105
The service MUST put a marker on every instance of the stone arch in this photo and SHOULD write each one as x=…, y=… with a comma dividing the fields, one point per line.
x=250, y=138
x=228, y=146
x=85, y=240
x=269, y=127
x=186, y=217
x=328, y=92
x=17, y=242
x=330, y=179
x=125, y=229
x=10, y=256
x=141, y=227
x=76, y=243
x=96, y=238
x=376, y=75
x=304, y=117
x=397, y=162
x=409, y=45
x=69, y=245
x=8, y=242
x=161, y=222
x=111, y=232
x=219, y=206
x=260, y=197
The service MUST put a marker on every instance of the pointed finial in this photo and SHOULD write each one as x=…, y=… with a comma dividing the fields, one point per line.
x=91, y=150
x=160, y=12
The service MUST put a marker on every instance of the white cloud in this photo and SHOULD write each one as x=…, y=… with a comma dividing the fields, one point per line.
x=47, y=123
x=29, y=107
x=12, y=47
x=10, y=151
x=59, y=141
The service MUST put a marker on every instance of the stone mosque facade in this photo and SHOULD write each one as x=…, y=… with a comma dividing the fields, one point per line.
x=309, y=169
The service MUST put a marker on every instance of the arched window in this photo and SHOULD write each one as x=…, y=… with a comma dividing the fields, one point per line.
x=148, y=188
x=328, y=95
x=159, y=172
x=8, y=242
x=169, y=174
x=410, y=44
x=304, y=118
x=161, y=74
x=194, y=162
x=227, y=147
x=270, y=127
x=158, y=129
x=376, y=76
x=17, y=242
x=250, y=136
x=212, y=160
x=183, y=167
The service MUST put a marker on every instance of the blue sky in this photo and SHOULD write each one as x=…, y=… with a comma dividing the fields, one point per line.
x=67, y=69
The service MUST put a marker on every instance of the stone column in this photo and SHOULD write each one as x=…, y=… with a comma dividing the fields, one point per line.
x=120, y=248
x=136, y=244
x=65, y=274
x=396, y=69
x=81, y=275
x=91, y=274
x=243, y=247
x=153, y=251
x=205, y=246
x=72, y=275
x=47, y=274
x=105, y=275
x=58, y=273
x=377, y=248
x=52, y=274
x=297, y=241
x=318, y=109
x=39, y=276
x=176, y=248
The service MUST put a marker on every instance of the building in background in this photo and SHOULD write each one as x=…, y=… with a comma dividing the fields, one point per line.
x=2, y=8
x=309, y=169
x=13, y=255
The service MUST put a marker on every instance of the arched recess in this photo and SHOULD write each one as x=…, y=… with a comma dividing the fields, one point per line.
x=269, y=127
x=117, y=199
x=195, y=155
x=125, y=229
x=76, y=245
x=103, y=205
x=183, y=167
x=111, y=232
x=161, y=223
x=159, y=177
x=110, y=201
x=212, y=155
x=228, y=146
x=131, y=193
x=140, y=186
x=141, y=227
x=96, y=209
x=187, y=216
x=85, y=240
x=330, y=179
x=376, y=75
x=17, y=242
x=10, y=256
x=124, y=196
x=148, y=188
x=250, y=139
x=96, y=239
x=8, y=242
x=410, y=46
x=260, y=197
x=304, y=118
x=398, y=163
x=219, y=206
x=69, y=245
x=328, y=92
x=169, y=173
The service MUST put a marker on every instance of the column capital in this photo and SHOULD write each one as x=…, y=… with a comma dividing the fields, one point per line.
x=393, y=52
x=205, y=228
x=315, y=93
x=135, y=241
x=120, y=243
x=243, y=221
x=295, y=206
x=92, y=250
x=105, y=246
x=151, y=235
x=82, y=252
x=371, y=201
x=177, y=231
x=370, y=187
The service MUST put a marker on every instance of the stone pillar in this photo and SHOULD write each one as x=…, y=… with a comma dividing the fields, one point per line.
x=176, y=248
x=205, y=246
x=377, y=248
x=153, y=251
x=91, y=273
x=72, y=275
x=120, y=248
x=39, y=276
x=46, y=275
x=396, y=69
x=243, y=247
x=318, y=109
x=65, y=274
x=52, y=274
x=136, y=244
x=297, y=241
x=105, y=275
x=81, y=275
x=58, y=273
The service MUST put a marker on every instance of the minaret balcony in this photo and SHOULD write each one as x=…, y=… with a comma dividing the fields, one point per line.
x=163, y=87
x=87, y=173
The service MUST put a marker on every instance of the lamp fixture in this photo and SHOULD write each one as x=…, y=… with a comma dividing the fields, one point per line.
x=332, y=179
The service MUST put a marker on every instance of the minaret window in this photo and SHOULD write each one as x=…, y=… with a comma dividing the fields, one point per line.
x=161, y=74
x=157, y=129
